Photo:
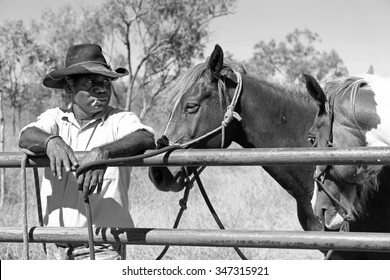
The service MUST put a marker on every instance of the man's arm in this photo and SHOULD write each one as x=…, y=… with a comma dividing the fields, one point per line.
x=36, y=141
x=32, y=140
x=132, y=144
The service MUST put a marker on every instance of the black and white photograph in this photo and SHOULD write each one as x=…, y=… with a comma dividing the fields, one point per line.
x=194, y=138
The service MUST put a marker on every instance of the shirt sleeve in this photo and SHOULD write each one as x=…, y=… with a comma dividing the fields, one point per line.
x=129, y=123
x=47, y=121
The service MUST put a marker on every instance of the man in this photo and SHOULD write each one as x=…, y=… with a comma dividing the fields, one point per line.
x=90, y=125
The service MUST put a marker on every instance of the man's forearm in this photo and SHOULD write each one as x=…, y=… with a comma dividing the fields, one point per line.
x=132, y=144
x=34, y=140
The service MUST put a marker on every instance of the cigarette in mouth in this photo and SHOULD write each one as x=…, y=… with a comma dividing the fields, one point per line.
x=94, y=103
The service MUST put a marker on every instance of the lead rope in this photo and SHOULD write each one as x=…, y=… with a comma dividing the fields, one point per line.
x=183, y=206
x=39, y=203
x=88, y=213
x=212, y=210
x=24, y=208
x=230, y=113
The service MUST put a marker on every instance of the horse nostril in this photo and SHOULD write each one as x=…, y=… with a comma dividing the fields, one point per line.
x=156, y=175
x=163, y=179
x=349, y=217
x=162, y=142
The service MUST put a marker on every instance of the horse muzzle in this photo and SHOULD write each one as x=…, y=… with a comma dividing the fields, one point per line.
x=164, y=180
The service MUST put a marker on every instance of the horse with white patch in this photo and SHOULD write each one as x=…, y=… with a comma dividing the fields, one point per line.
x=352, y=113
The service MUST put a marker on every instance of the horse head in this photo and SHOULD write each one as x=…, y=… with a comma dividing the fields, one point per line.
x=199, y=101
x=346, y=116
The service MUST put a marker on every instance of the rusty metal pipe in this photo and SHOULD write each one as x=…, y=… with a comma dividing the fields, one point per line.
x=341, y=241
x=228, y=157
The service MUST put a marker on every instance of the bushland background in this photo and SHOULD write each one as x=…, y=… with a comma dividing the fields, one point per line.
x=157, y=41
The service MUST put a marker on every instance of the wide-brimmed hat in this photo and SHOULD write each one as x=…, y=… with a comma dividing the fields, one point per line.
x=82, y=59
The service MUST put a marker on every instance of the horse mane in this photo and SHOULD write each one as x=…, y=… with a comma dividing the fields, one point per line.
x=350, y=84
x=367, y=189
x=186, y=81
x=339, y=89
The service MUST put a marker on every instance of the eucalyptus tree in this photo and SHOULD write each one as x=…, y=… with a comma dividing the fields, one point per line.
x=21, y=57
x=159, y=39
x=299, y=53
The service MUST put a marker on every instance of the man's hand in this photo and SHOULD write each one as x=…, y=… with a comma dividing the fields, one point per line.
x=60, y=155
x=91, y=179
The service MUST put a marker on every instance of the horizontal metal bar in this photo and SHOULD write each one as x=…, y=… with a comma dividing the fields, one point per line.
x=342, y=241
x=246, y=157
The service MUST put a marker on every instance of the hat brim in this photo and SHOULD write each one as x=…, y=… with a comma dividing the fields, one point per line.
x=55, y=78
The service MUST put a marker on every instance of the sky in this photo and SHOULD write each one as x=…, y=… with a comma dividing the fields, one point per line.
x=359, y=30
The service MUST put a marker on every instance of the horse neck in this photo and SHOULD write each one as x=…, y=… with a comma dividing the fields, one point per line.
x=273, y=116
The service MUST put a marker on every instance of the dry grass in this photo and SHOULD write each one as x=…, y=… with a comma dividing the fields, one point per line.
x=244, y=198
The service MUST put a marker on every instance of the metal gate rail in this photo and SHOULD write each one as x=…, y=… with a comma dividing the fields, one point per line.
x=342, y=241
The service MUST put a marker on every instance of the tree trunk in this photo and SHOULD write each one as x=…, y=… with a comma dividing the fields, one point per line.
x=13, y=120
x=2, y=137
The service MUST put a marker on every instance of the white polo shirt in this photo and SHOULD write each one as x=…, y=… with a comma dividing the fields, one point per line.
x=62, y=203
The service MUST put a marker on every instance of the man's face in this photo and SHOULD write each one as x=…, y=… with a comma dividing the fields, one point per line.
x=92, y=93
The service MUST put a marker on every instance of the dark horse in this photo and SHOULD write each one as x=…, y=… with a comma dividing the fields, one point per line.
x=271, y=116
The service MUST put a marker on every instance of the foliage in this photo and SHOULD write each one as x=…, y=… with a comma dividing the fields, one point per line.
x=22, y=59
x=57, y=30
x=161, y=38
x=293, y=57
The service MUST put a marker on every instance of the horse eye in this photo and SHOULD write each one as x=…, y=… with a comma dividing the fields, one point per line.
x=311, y=139
x=191, y=108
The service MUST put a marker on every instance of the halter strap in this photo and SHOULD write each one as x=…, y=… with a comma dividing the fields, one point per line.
x=320, y=184
x=230, y=113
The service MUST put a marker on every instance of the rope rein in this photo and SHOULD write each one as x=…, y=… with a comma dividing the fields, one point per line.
x=229, y=116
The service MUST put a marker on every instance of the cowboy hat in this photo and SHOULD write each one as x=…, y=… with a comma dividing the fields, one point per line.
x=82, y=59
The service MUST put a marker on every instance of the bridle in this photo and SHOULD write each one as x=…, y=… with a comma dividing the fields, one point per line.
x=319, y=177
x=229, y=116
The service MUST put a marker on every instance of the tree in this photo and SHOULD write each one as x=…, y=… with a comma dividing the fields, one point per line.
x=20, y=57
x=57, y=30
x=161, y=38
x=293, y=57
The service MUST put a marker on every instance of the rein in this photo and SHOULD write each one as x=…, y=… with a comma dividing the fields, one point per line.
x=320, y=184
x=228, y=118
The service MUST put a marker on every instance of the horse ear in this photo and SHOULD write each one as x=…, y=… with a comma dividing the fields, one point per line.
x=315, y=90
x=242, y=69
x=371, y=70
x=216, y=59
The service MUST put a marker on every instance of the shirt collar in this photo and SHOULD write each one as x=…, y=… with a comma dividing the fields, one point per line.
x=69, y=116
